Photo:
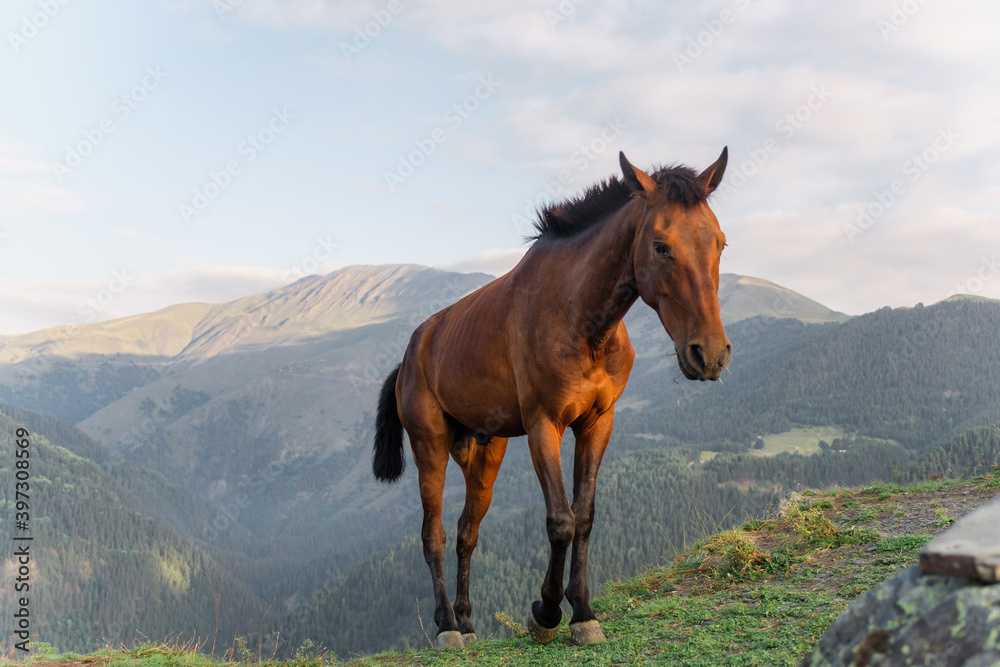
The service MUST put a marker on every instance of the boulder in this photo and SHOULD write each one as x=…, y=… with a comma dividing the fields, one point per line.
x=944, y=612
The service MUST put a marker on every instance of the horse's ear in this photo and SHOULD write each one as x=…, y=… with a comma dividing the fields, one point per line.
x=637, y=180
x=712, y=176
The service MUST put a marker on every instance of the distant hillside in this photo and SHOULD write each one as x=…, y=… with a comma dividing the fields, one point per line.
x=914, y=375
x=160, y=497
x=160, y=335
x=743, y=297
x=969, y=297
x=315, y=306
x=104, y=569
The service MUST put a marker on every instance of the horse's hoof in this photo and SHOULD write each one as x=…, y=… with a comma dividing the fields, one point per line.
x=586, y=632
x=448, y=639
x=469, y=638
x=538, y=632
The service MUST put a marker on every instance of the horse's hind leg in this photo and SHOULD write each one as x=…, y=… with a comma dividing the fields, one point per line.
x=430, y=438
x=480, y=464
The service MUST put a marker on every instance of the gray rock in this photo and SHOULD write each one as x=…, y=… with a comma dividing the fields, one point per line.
x=970, y=548
x=916, y=619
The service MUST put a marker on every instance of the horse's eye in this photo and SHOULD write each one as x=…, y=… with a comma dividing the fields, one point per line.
x=661, y=249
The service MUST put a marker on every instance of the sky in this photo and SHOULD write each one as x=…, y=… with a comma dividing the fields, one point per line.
x=170, y=151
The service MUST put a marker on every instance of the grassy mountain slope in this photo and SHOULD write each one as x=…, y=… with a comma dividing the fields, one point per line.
x=158, y=335
x=743, y=297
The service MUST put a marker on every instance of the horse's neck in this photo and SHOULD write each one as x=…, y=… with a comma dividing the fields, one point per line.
x=602, y=284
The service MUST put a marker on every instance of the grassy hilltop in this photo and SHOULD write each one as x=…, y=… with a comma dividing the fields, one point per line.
x=759, y=594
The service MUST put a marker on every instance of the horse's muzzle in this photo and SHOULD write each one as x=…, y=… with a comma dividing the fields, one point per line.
x=704, y=360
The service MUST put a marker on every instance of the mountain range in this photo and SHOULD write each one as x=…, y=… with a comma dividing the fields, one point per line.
x=243, y=428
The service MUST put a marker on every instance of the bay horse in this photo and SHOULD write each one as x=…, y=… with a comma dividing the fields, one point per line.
x=542, y=349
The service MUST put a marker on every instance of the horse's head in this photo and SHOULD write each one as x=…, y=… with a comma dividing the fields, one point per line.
x=676, y=262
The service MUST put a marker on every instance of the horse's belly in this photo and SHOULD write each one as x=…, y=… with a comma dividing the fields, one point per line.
x=484, y=408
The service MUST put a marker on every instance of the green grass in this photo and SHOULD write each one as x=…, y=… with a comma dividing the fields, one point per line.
x=904, y=544
x=803, y=440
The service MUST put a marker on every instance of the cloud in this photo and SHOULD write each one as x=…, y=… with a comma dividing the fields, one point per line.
x=18, y=197
x=901, y=260
x=39, y=304
x=495, y=262
x=284, y=15
x=26, y=183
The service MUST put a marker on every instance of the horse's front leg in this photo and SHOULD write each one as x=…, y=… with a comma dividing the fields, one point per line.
x=544, y=440
x=591, y=441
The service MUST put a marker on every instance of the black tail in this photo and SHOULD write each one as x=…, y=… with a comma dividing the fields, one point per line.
x=388, y=461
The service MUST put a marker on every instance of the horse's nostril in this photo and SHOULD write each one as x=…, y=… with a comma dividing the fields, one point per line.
x=697, y=356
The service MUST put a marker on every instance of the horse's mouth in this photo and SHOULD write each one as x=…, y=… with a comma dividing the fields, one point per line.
x=691, y=373
x=686, y=368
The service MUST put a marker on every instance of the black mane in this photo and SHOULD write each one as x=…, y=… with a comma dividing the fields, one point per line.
x=574, y=216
